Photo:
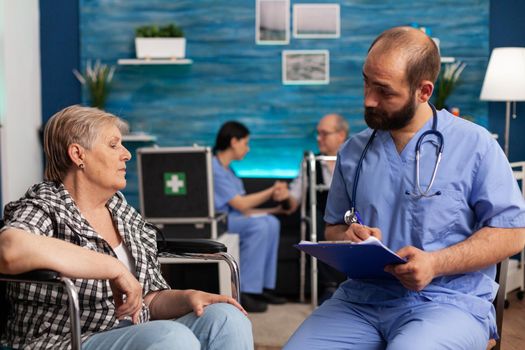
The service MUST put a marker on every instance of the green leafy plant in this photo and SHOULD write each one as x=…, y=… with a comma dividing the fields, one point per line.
x=153, y=31
x=448, y=80
x=97, y=79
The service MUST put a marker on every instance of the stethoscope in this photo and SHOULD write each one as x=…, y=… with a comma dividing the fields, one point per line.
x=352, y=215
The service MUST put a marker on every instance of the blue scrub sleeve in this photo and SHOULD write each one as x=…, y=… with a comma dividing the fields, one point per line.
x=338, y=199
x=225, y=189
x=496, y=197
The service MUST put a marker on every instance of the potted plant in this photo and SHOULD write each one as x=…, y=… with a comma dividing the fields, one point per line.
x=167, y=41
x=448, y=80
x=97, y=79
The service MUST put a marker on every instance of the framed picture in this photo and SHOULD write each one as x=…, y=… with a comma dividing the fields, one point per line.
x=306, y=67
x=316, y=21
x=272, y=22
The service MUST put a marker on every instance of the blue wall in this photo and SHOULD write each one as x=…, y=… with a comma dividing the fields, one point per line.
x=233, y=78
x=507, y=28
x=59, y=55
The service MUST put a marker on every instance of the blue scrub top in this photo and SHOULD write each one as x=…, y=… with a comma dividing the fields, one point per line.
x=477, y=189
x=226, y=186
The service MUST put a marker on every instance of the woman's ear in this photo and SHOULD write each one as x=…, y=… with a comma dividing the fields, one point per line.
x=233, y=142
x=76, y=153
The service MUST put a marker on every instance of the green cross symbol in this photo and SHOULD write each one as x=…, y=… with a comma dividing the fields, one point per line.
x=174, y=184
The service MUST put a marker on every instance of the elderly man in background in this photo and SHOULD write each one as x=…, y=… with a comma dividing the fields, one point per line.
x=332, y=132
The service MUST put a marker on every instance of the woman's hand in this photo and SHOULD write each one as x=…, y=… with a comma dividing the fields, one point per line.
x=127, y=294
x=197, y=300
x=280, y=191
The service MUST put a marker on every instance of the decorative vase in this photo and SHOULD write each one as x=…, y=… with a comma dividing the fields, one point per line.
x=160, y=48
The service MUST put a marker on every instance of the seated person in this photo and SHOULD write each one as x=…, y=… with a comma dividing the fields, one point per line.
x=258, y=230
x=332, y=131
x=452, y=228
x=79, y=224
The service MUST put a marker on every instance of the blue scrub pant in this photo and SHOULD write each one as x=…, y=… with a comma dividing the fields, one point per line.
x=259, y=241
x=338, y=324
x=222, y=326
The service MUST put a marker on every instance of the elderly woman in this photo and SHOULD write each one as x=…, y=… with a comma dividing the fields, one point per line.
x=258, y=230
x=79, y=224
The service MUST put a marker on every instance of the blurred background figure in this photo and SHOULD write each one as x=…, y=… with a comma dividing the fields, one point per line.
x=332, y=132
x=258, y=230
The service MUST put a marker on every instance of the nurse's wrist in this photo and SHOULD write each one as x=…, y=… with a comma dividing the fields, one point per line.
x=436, y=263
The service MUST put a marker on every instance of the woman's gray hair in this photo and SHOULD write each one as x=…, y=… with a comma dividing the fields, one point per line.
x=73, y=124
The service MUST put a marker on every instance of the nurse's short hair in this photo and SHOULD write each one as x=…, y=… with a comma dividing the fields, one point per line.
x=73, y=124
x=423, y=61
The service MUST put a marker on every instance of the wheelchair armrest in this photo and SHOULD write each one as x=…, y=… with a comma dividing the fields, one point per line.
x=198, y=246
x=32, y=276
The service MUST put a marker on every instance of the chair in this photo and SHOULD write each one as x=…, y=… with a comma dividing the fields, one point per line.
x=52, y=278
x=499, y=302
x=516, y=279
x=202, y=249
x=175, y=248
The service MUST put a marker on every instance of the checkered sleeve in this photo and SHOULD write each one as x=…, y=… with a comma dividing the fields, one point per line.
x=28, y=215
x=155, y=280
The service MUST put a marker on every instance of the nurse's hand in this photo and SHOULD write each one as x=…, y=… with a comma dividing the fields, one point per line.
x=358, y=233
x=418, y=272
x=280, y=191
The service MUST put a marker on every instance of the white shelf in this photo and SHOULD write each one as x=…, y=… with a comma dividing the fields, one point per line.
x=142, y=61
x=445, y=59
x=139, y=137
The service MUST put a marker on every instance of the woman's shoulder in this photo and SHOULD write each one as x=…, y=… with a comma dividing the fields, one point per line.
x=41, y=205
x=44, y=194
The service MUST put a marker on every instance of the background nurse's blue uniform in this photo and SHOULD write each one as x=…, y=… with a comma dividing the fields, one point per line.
x=258, y=235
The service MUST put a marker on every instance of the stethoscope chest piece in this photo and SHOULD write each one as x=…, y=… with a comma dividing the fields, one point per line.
x=350, y=217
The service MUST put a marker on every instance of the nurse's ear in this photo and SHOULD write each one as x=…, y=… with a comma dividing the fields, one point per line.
x=424, y=91
x=234, y=141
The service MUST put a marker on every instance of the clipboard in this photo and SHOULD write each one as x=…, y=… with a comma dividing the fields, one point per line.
x=363, y=260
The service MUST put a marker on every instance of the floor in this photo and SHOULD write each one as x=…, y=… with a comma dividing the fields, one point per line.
x=274, y=327
x=514, y=325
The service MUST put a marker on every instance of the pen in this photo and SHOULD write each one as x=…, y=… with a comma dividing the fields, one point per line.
x=358, y=218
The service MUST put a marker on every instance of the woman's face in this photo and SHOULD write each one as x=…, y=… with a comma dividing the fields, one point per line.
x=240, y=147
x=105, y=163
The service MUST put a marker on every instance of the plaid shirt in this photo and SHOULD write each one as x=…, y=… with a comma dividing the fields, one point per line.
x=39, y=316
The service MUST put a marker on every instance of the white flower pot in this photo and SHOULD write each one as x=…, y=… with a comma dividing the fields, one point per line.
x=160, y=47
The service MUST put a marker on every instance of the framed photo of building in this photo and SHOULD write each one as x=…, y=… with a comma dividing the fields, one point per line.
x=306, y=67
x=272, y=22
x=316, y=21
